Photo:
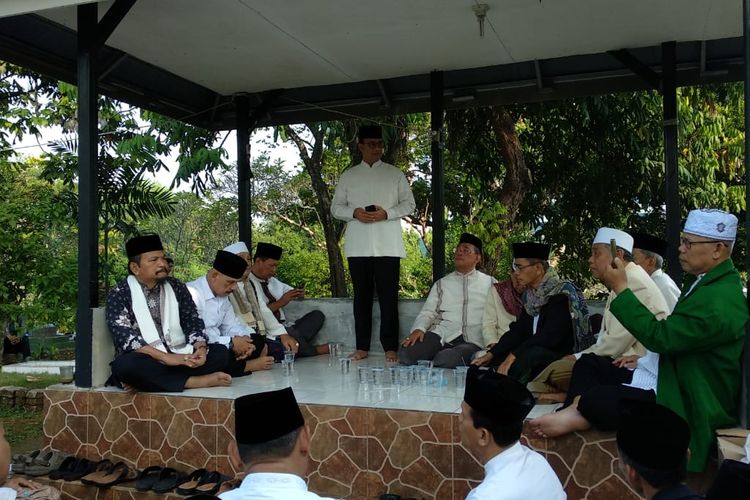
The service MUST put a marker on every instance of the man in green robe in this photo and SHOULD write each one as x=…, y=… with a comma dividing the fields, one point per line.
x=699, y=345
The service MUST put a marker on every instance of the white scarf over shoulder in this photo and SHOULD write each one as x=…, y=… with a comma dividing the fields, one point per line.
x=171, y=328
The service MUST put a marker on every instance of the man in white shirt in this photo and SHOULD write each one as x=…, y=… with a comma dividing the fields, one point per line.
x=491, y=421
x=448, y=330
x=371, y=198
x=274, y=455
x=211, y=296
x=272, y=294
x=649, y=252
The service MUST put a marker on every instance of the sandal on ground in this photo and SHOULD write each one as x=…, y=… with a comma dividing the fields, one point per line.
x=187, y=487
x=66, y=466
x=102, y=468
x=43, y=465
x=114, y=474
x=168, y=479
x=211, y=483
x=18, y=462
x=81, y=468
x=148, y=477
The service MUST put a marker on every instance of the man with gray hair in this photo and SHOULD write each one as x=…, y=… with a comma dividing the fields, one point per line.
x=649, y=252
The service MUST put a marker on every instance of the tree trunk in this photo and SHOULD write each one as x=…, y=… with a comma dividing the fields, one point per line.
x=517, y=176
x=314, y=166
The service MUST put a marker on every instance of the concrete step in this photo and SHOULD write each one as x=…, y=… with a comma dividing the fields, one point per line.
x=42, y=366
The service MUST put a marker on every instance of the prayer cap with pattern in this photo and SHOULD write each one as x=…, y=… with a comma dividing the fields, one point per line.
x=711, y=223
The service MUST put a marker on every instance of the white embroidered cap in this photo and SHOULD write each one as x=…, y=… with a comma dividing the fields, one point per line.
x=623, y=239
x=711, y=223
x=237, y=248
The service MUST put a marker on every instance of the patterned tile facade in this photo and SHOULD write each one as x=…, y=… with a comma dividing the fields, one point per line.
x=356, y=453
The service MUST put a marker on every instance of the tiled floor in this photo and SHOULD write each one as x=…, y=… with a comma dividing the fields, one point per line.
x=319, y=380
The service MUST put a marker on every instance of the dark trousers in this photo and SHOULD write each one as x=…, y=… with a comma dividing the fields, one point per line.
x=146, y=374
x=368, y=275
x=303, y=331
x=599, y=384
x=530, y=361
x=455, y=353
x=24, y=347
x=236, y=367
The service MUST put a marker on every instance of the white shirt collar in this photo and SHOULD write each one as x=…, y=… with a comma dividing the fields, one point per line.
x=202, y=284
x=281, y=479
x=503, y=458
x=374, y=165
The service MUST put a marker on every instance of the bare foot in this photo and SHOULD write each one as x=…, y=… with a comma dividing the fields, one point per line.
x=260, y=363
x=391, y=356
x=216, y=379
x=359, y=354
x=560, y=423
x=322, y=349
x=551, y=398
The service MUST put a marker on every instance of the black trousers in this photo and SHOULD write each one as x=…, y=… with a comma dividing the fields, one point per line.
x=368, y=275
x=599, y=384
x=236, y=367
x=146, y=374
x=304, y=330
x=24, y=347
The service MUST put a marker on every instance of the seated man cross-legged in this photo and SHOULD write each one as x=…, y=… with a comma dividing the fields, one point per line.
x=160, y=340
x=210, y=294
x=695, y=351
x=553, y=322
x=448, y=330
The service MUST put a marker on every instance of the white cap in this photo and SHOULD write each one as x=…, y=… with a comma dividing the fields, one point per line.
x=711, y=223
x=623, y=239
x=237, y=248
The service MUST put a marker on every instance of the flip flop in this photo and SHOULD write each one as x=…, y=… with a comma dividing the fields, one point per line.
x=168, y=479
x=195, y=478
x=211, y=483
x=102, y=468
x=66, y=466
x=115, y=474
x=81, y=468
x=148, y=477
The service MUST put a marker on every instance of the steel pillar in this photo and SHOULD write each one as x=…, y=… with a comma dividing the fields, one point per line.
x=438, y=175
x=243, y=169
x=671, y=177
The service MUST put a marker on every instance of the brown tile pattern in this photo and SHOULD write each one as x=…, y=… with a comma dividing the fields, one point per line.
x=355, y=453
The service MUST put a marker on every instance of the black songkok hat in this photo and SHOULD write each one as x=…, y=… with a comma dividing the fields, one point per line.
x=370, y=132
x=472, y=240
x=142, y=244
x=650, y=243
x=230, y=264
x=268, y=251
x=531, y=250
x=653, y=436
x=263, y=417
x=732, y=481
x=497, y=397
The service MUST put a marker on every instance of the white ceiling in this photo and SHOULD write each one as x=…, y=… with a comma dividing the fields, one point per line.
x=254, y=45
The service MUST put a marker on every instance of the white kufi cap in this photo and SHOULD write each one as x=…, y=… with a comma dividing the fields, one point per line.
x=623, y=239
x=711, y=223
x=237, y=248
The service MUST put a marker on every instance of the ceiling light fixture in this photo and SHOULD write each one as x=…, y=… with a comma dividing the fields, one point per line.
x=480, y=10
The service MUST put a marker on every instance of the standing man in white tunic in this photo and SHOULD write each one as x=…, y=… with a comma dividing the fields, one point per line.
x=491, y=420
x=371, y=198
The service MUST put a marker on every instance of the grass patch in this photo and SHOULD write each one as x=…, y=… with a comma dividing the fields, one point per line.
x=20, y=424
x=19, y=380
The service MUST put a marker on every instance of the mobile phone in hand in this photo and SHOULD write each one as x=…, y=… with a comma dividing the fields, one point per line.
x=370, y=208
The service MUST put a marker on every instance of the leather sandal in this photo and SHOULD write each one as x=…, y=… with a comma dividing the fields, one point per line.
x=114, y=474
x=148, y=477
x=211, y=483
x=102, y=468
x=195, y=478
x=168, y=479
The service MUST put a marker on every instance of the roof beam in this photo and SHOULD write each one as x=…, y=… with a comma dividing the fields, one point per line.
x=112, y=19
x=384, y=93
x=264, y=107
x=633, y=64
